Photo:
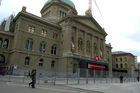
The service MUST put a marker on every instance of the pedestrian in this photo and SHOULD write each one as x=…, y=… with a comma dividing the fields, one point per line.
x=121, y=79
x=138, y=78
x=33, y=77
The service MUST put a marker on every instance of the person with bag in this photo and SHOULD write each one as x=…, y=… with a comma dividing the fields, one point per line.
x=33, y=77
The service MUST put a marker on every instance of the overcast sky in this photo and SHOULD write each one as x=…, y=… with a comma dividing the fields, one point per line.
x=120, y=19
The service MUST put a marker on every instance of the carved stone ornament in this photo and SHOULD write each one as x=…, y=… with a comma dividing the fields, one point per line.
x=70, y=12
x=24, y=8
x=88, y=12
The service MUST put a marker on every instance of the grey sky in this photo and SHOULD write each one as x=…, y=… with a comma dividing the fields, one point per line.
x=120, y=18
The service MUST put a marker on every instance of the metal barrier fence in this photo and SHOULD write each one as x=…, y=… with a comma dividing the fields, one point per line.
x=81, y=76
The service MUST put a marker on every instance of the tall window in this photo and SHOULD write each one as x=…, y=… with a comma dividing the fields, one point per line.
x=42, y=47
x=53, y=64
x=55, y=36
x=43, y=33
x=80, y=44
x=126, y=66
x=117, y=66
x=121, y=65
x=53, y=50
x=31, y=29
x=29, y=44
x=5, y=43
x=2, y=59
x=62, y=14
x=27, y=61
x=41, y=61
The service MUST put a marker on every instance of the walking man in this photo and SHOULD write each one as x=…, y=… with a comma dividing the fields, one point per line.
x=138, y=78
x=33, y=77
x=121, y=79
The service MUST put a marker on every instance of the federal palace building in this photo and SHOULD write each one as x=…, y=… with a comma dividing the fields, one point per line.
x=60, y=40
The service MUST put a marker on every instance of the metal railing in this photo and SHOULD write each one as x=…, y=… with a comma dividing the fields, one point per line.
x=80, y=76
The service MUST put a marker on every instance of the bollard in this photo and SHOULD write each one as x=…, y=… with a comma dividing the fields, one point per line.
x=9, y=78
x=78, y=75
x=86, y=76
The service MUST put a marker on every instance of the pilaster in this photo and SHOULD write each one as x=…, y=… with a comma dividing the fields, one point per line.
x=84, y=43
x=76, y=43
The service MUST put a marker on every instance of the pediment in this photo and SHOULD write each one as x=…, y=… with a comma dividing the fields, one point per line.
x=90, y=22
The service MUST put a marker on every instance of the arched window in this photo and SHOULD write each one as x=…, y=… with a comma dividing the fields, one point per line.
x=126, y=66
x=41, y=61
x=88, y=46
x=53, y=64
x=117, y=66
x=5, y=43
x=80, y=44
x=29, y=44
x=125, y=58
x=2, y=59
x=42, y=47
x=53, y=49
x=27, y=61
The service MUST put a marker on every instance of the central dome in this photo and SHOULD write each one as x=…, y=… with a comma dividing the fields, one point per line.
x=68, y=2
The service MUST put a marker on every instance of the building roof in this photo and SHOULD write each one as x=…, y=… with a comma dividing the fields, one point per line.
x=32, y=16
x=121, y=53
x=68, y=2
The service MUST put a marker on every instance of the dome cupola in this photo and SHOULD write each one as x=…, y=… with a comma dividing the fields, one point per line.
x=68, y=2
x=55, y=10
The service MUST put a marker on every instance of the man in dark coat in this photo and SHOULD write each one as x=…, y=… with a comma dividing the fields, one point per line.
x=33, y=77
x=138, y=78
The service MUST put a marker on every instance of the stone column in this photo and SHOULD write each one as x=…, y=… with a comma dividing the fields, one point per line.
x=104, y=51
x=67, y=38
x=92, y=46
x=84, y=44
x=98, y=45
x=93, y=41
x=76, y=41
